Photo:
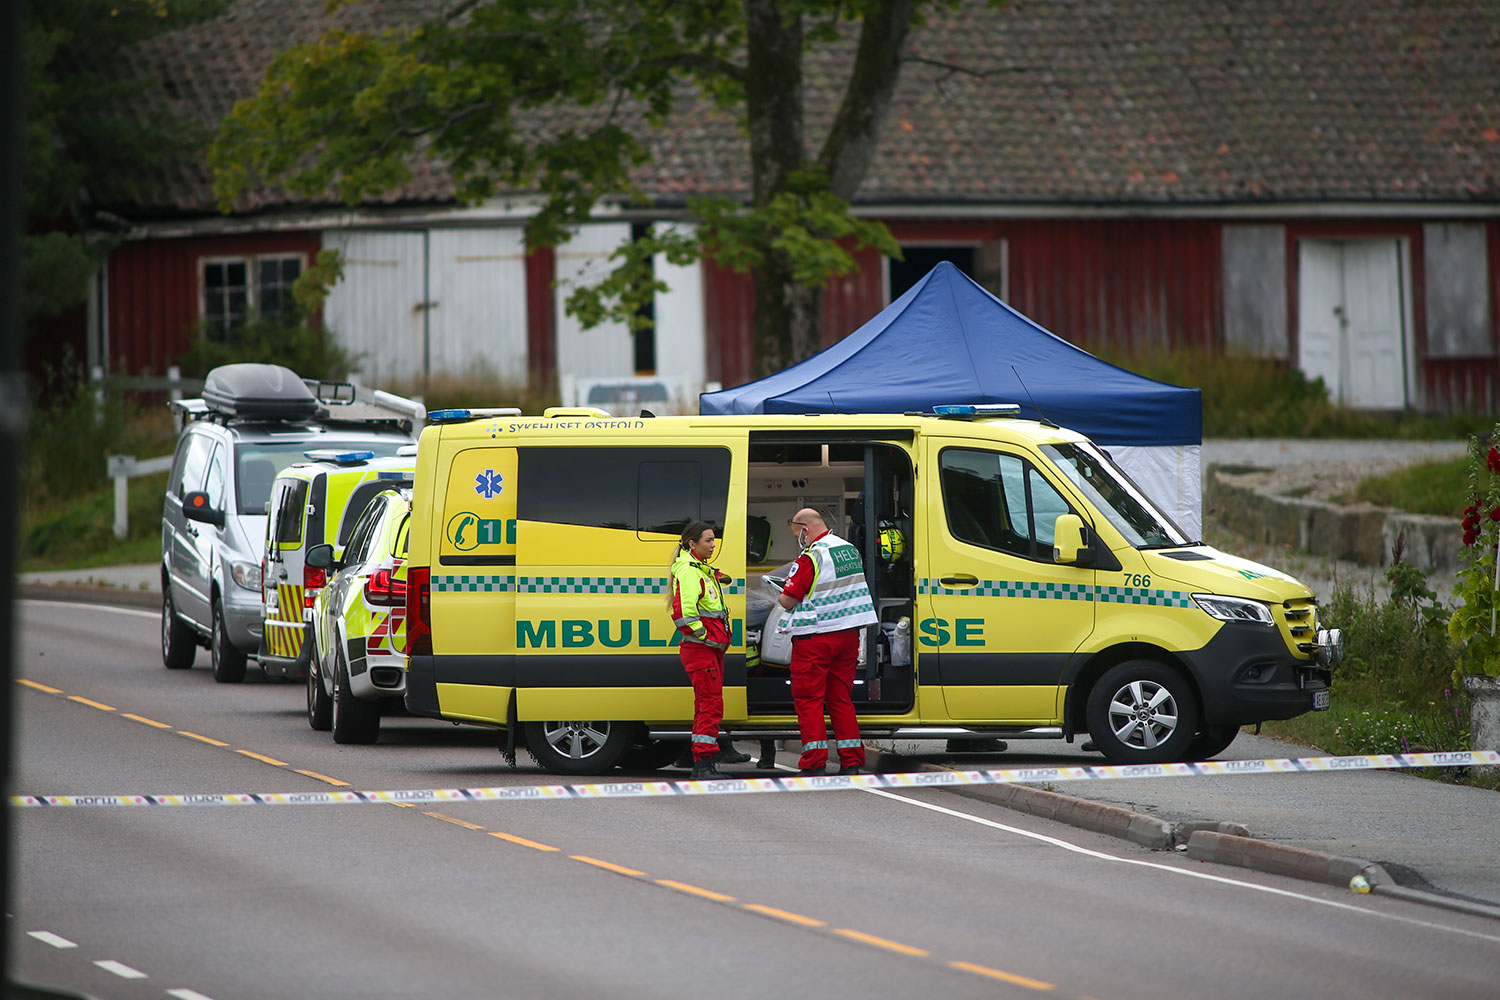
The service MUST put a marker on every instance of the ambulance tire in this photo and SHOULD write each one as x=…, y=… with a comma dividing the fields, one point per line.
x=178, y=644
x=1136, y=692
x=354, y=719
x=651, y=755
x=579, y=747
x=319, y=705
x=1211, y=742
x=228, y=661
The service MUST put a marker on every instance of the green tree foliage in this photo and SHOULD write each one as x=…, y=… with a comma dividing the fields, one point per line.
x=555, y=98
x=81, y=125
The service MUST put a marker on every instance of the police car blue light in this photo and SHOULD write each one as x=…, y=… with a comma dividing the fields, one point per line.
x=341, y=457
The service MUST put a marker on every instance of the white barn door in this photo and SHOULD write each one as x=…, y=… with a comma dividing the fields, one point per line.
x=477, y=326
x=376, y=311
x=606, y=351
x=1352, y=320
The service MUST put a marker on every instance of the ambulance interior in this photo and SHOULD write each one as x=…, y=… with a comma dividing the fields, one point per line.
x=863, y=488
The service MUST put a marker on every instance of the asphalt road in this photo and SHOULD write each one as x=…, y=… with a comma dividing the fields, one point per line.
x=847, y=893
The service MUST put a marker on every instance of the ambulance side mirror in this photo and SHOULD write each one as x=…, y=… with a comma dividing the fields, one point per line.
x=320, y=556
x=1070, y=541
x=195, y=507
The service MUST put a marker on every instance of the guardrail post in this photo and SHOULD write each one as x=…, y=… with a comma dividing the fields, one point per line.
x=174, y=375
x=120, y=467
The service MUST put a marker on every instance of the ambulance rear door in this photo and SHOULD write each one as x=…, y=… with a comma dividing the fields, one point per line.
x=1000, y=620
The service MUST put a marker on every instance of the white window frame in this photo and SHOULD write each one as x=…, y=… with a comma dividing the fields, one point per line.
x=252, y=264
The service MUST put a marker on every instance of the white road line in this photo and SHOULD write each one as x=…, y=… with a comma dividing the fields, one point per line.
x=91, y=607
x=55, y=940
x=187, y=995
x=120, y=969
x=1100, y=855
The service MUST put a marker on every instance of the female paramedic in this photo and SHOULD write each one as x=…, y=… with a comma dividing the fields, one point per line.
x=696, y=599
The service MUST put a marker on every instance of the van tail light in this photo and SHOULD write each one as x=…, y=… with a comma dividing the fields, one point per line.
x=313, y=580
x=381, y=587
x=419, y=611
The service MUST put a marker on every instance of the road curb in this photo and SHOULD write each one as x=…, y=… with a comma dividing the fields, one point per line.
x=1210, y=841
x=89, y=595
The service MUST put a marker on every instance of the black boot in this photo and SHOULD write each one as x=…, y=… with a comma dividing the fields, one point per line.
x=705, y=770
x=685, y=758
x=767, y=755
x=728, y=754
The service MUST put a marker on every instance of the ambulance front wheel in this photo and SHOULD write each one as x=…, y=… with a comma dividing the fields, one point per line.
x=1142, y=712
x=579, y=747
x=1213, y=741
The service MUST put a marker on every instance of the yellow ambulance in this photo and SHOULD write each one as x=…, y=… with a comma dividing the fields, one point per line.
x=1026, y=588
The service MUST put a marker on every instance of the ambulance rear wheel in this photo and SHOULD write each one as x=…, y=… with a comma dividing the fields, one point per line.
x=1211, y=742
x=1141, y=712
x=354, y=719
x=647, y=754
x=229, y=662
x=178, y=645
x=579, y=747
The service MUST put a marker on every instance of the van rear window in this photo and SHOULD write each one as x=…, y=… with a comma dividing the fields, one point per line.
x=651, y=491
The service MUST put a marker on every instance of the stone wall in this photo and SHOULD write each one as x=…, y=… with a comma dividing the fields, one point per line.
x=1247, y=500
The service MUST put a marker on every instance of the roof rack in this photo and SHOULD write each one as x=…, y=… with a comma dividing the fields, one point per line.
x=264, y=393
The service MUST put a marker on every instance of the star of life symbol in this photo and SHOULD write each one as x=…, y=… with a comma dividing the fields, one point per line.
x=488, y=483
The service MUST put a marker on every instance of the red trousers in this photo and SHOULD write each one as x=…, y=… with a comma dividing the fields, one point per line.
x=823, y=675
x=705, y=668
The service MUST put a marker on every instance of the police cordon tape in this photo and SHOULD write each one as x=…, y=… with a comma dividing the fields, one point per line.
x=751, y=786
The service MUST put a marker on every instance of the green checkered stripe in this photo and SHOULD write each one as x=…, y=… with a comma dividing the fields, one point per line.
x=472, y=584
x=563, y=584
x=1063, y=592
x=1140, y=595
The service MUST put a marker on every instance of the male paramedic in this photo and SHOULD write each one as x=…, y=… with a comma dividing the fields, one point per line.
x=829, y=603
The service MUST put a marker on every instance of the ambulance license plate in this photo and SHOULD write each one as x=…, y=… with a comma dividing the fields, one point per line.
x=1320, y=700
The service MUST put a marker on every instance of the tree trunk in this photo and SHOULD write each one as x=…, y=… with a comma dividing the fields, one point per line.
x=788, y=317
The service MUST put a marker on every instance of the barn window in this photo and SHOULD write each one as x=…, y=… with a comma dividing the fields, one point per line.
x=234, y=289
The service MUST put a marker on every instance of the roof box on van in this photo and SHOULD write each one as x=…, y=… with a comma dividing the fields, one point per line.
x=259, y=392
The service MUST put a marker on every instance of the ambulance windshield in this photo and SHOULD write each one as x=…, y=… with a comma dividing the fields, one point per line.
x=1121, y=501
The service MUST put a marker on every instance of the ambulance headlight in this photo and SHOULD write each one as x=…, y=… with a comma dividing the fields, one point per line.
x=246, y=574
x=1234, y=609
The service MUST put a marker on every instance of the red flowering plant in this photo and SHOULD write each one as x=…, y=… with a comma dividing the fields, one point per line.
x=1474, y=622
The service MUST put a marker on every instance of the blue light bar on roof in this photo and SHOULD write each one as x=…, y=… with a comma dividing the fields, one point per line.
x=341, y=457
x=447, y=416
x=978, y=410
x=391, y=474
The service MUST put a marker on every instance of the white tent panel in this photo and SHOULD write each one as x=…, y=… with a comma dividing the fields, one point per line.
x=1171, y=476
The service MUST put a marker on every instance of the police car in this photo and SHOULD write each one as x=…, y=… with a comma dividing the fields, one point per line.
x=312, y=502
x=359, y=619
x=252, y=421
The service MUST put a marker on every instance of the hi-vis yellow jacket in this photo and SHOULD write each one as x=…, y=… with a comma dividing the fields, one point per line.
x=698, y=602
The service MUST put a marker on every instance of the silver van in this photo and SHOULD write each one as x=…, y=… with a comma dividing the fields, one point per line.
x=252, y=421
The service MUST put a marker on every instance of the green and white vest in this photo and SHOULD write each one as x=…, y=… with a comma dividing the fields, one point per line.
x=840, y=597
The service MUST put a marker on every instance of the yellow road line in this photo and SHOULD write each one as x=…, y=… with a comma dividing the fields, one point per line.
x=91, y=704
x=39, y=687
x=705, y=893
x=605, y=864
x=1004, y=977
x=203, y=739
x=455, y=822
x=880, y=942
x=795, y=918
x=523, y=841
x=324, y=777
x=142, y=718
x=262, y=757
